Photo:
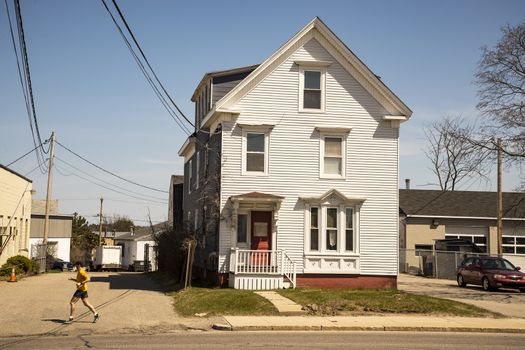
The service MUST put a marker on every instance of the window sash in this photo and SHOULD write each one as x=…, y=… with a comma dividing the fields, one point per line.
x=314, y=229
x=349, y=229
x=242, y=228
x=332, y=229
x=255, y=152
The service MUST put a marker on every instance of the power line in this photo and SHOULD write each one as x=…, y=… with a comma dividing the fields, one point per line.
x=147, y=62
x=144, y=71
x=106, y=182
x=107, y=171
x=19, y=158
x=106, y=187
x=39, y=154
x=23, y=51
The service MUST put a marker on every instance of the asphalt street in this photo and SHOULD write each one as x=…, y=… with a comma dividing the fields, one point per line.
x=274, y=340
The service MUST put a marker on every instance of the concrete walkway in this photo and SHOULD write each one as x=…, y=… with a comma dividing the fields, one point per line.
x=284, y=305
x=127, y=303
x=375, y=323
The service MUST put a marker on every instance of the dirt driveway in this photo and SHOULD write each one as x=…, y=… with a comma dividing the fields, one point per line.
x=127, y=303
x=505, y=301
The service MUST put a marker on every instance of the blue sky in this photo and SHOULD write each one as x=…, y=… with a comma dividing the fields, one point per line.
x=90, y=92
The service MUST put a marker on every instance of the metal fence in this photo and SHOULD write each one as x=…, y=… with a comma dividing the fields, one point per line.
x=440, y=264
x=44, y=254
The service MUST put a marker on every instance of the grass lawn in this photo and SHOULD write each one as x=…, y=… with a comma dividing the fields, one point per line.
x=221, y=301
x=370, y=301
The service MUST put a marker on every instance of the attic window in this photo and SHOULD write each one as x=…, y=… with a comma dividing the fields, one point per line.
x=312, y=88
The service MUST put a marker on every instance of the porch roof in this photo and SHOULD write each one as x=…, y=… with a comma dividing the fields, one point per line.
x=256, y=197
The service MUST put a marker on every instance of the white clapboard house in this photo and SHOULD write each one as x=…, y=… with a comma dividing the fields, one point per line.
x=291, y=176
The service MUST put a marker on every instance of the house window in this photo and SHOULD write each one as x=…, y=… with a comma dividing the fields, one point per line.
x=190, y=176
x=331, y=229
x=314, y=229
x=312, y=93
x=197, y=163
x=333, y=153
x=255, y=152
x=349, y=230
x=513, y=245
x=423, y=249
x=242, y=228
x=312, y=89
x=196, y=223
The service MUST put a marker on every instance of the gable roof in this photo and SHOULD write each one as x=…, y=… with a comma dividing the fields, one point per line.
x=318, y=30
x=465, y=204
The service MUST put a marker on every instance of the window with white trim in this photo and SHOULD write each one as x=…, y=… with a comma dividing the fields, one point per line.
x=312, y=89
x=333, y=155
x=513, y=244
x=255, y=152
x=332, y=229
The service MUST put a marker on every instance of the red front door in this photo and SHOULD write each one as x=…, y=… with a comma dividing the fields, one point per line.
x=261, y=230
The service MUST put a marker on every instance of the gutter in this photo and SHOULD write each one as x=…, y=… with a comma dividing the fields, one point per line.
x=463, y=217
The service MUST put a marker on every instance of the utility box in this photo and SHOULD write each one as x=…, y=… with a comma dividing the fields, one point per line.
x=108, y=257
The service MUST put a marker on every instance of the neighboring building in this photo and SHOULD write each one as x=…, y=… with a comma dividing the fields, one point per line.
x=175, y=209
x=138, y=246
x=291, y=176
x=427, y=215
x=59, y=233
x=15, y=212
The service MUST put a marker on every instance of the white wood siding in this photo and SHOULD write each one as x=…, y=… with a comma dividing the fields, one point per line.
x=371, y=166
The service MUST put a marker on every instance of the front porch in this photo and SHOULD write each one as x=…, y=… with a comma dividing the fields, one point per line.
x=261, y=269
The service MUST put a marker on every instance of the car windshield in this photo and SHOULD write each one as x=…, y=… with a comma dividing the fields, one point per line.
x=499, y=264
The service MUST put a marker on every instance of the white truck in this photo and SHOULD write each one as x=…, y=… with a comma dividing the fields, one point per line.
x=108, y=257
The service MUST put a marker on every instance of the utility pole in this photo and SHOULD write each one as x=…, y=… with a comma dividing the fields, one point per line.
x=49, y=182
x=100, y=223
x=500, y=202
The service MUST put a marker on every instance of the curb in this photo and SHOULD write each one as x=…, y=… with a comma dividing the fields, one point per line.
x=372, y=329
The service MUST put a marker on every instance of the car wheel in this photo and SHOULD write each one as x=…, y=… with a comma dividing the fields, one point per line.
x=461, y=281
x=486, y=284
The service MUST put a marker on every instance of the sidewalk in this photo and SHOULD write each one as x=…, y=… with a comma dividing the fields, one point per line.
x=376, y=323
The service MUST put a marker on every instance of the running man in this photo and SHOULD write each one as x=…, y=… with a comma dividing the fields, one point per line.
x=81, y=292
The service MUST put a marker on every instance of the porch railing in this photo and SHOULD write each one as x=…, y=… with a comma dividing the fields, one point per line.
x=263, y=262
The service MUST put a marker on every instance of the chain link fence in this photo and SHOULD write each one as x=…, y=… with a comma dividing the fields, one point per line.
x=44, y=255
x=440, y=264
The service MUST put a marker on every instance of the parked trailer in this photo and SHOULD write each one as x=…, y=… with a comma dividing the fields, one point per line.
x=108, y=257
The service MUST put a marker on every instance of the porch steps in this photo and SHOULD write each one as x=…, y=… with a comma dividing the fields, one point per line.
x=284, y=305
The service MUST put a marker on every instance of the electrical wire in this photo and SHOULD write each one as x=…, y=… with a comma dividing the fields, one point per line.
x=39, y=154
x=19, y=158
x=106, y=182
x=147, y=62
x=107, y=171
x=106, y=187
x=158, y=93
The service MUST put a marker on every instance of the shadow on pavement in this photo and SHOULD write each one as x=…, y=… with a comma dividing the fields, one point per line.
x=128, y=280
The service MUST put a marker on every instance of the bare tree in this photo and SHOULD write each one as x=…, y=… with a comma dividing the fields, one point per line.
x=501, y=81
x=455, y=160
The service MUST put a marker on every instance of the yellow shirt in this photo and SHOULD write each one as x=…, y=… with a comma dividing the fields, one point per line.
x=82, y=276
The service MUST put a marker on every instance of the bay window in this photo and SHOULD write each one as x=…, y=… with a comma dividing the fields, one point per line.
x=331, y=229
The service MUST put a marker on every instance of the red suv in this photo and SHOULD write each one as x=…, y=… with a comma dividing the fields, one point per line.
x=490, y=273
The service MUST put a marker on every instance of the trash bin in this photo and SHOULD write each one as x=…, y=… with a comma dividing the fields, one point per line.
x=138, y=266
